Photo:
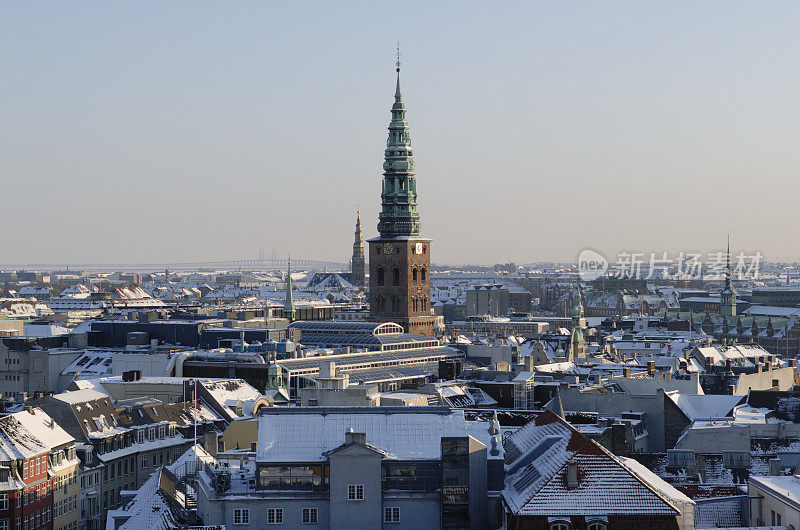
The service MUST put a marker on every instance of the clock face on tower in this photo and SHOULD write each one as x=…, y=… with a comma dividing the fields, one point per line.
x=387, y=248
x=418, y=248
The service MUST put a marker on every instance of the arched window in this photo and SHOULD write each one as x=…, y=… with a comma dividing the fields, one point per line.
x=395, y=304
x=396, y=279
x=596, y=525
x=560, y=525
x=381, y=303
x=414, y=275
x=414, y=303
x=380, y=275
x=422, y=273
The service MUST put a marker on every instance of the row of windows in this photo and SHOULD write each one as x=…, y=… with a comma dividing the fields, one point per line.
x=34, y=467
x=416, y=275
x=417, y=304
x=275, y=516
x=29, y=522
x=65, y=506
x=566, y=525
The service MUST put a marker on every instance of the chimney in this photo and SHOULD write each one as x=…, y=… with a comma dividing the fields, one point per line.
x=211, y=443
x=651, y=368
x=626, y=372
x=758, y=368
x=529, y=363
x=327, y=369
x=775, y=468
x=728, y=365
x=572, y=474
x=732, y=390
x=351, y=437
x=792, y=363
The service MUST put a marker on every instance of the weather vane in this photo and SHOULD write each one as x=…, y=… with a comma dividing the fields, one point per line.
x=398, y=56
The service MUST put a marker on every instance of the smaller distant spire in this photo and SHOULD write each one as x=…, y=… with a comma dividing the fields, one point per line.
x=288, y=303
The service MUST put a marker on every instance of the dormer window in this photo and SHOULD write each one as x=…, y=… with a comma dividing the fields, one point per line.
x=151, y=434
x=160, y=432
x=172, y=431
x=140, y=436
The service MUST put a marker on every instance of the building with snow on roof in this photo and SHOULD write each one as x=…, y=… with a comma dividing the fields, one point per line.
x=365, y=467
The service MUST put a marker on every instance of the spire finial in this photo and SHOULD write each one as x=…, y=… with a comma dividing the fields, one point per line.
x=398, y=57
x=728, y=260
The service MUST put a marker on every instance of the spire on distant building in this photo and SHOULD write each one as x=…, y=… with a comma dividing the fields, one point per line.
x=288, y=302
x=727, y=299
x=357, y=262
x=577, y=341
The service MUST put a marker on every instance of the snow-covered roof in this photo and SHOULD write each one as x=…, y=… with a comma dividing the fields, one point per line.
x=404, y=433
x=80, y=396
x=149, y=508
x=41, y=425
x=705, y=406
x=537, y=460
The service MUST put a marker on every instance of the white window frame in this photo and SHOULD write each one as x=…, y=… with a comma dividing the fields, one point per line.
x=5, y=524
x=274, y=515
x=140, y=436
x=355, y=492
x=595, y=524
x=310, y=516
x=241, y=516
x=4, y=504
x=560, y=525
x=391, y=514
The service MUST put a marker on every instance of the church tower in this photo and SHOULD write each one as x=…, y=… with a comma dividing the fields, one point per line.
x=357, y=265
x=727, y=302
x=399, y=259
x=577, y=342
x=288, y=301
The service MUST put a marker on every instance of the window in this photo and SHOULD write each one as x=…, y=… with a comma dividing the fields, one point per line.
x=151, y=433
x=140, y=436
x=391, y=515
x=414, y=275
x=559, y=525
x=275, y=516
x=422, y=274
x=4, y=524
x=596, y=525
x=310, y=516
x=161, y=432
x=3, y=501
x=380, y=276
x=144, y=461
x=241, y=516
x=355, y=492
x=396, y=276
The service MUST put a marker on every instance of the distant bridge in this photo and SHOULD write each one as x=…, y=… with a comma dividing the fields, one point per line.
x=241, y=264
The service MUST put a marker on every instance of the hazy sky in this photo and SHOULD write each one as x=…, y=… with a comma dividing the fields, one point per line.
x=180, y=131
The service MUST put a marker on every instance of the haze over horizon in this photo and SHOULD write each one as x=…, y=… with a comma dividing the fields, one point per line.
x=150, y=132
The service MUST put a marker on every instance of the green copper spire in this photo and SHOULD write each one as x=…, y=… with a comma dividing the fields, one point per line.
x=288, y=303
x=399, y=216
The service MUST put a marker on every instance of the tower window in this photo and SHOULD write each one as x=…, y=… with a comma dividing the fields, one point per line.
x=380, y=276
x=414, y=274
x=396, y=279
x=381, y=303
x=422, y=271
x=395, y=304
